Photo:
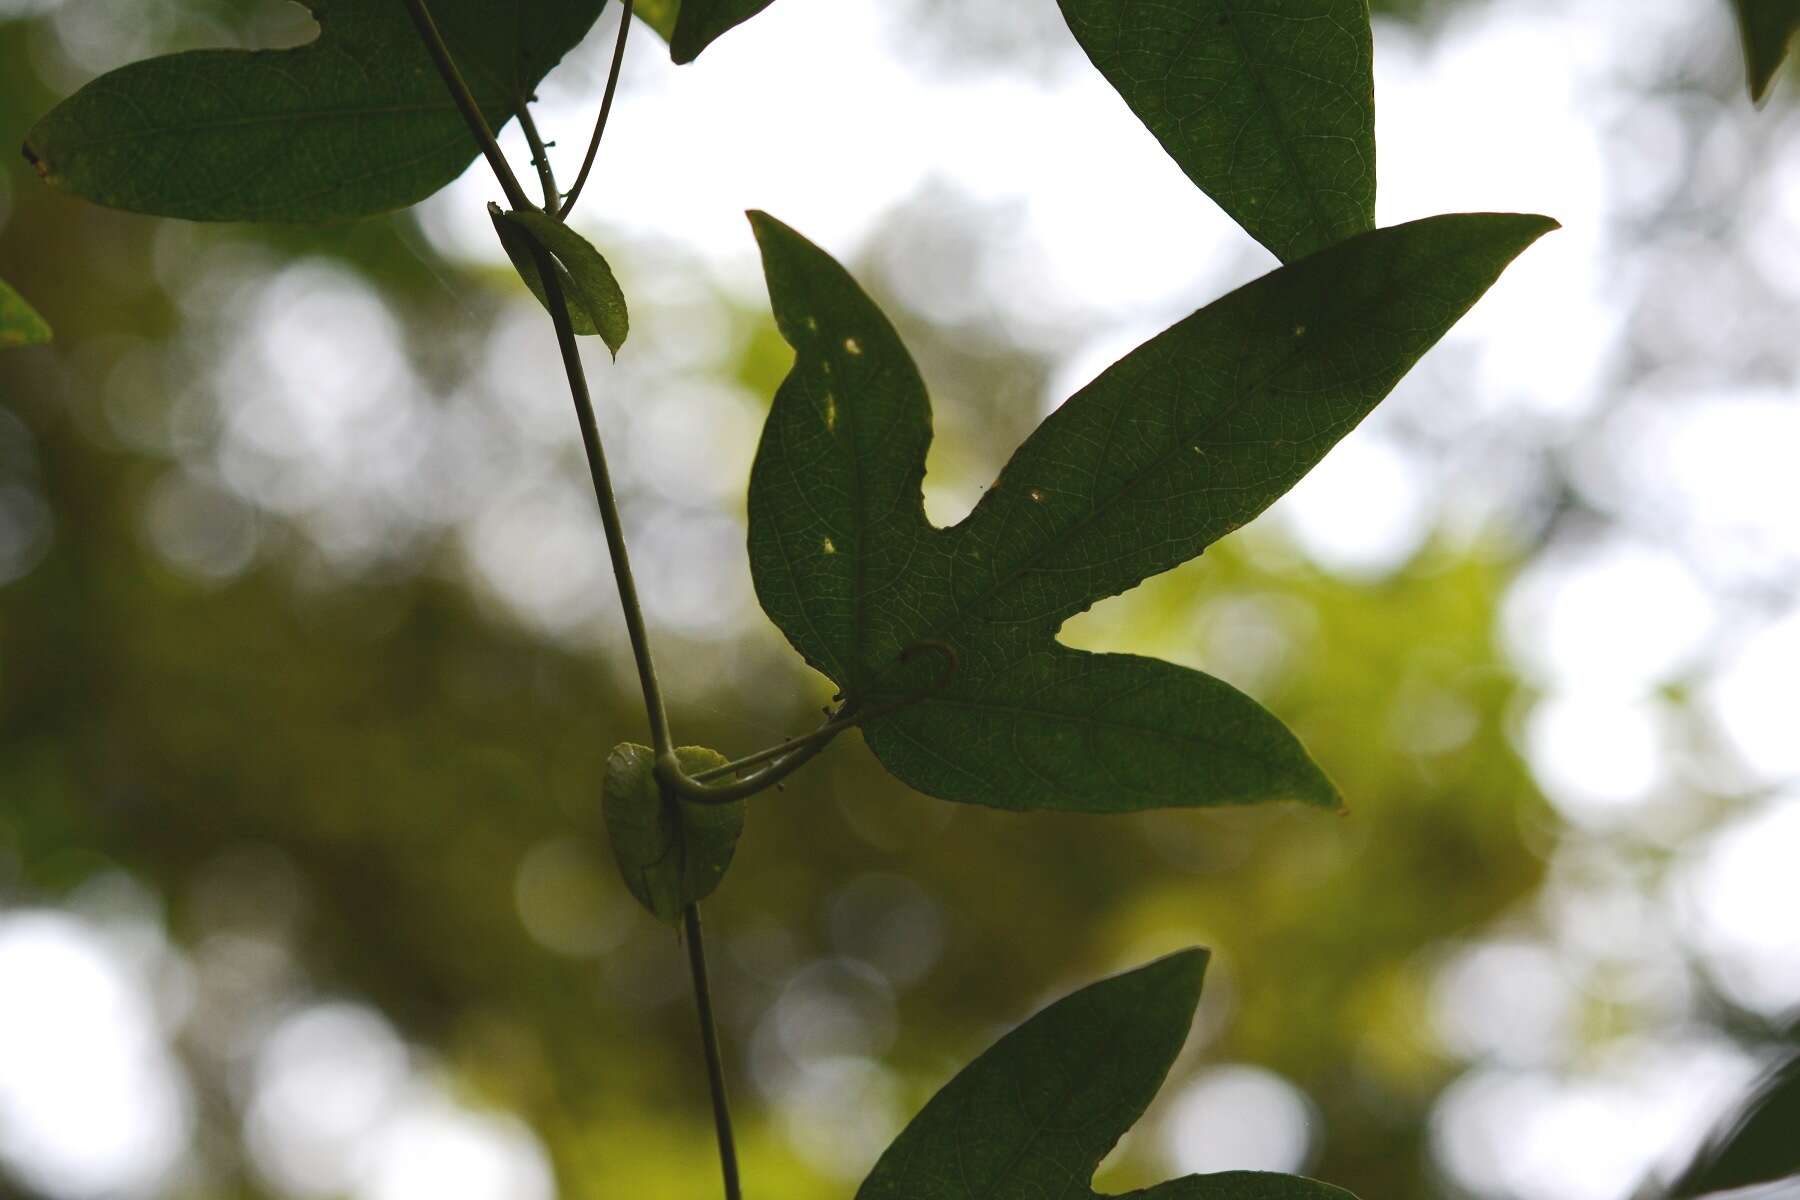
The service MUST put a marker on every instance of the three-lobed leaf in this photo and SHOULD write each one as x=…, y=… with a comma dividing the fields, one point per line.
x=1034, y=1114
x=20, y=324
x=353, y=123
x=671, y=852
x=1767, y=26
x=1179, y=443
x=596, y=304
x=1269, y=107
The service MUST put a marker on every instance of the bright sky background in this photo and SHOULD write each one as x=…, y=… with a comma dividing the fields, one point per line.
x=1520, y=105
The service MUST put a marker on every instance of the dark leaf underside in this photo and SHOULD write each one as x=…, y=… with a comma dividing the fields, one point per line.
x=1268, y=106
x=354, y=123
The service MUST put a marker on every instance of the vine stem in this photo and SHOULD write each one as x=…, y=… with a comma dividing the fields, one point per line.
x=635, y=627
x=738, y=766
x=606, y=102
x=667, y=766
x=803, y=751
x=540, y=156
x=796, y=752
x=465, y=103
x=715, y=1064
x=654, y=711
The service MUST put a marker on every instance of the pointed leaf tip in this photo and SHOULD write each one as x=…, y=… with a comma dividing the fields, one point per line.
x=690, y=26
x=1185, y=969
x=1767, y=28
x=1036, y=1112
x=1269, y=108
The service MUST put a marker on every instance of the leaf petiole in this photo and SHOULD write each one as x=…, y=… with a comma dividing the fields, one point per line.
x=791, y=755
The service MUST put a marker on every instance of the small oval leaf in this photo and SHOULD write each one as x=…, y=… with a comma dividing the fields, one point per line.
x=596, y=304
x=671, y=852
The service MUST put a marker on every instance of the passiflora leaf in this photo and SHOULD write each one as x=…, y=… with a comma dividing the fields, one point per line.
x=355, y=122
x=1268, y=105
x=1182, y=441
x=1034, y=1115
x=596, y=305
x=20, y=324
x=671, y=852
x=1768, y=26
x=692, y=25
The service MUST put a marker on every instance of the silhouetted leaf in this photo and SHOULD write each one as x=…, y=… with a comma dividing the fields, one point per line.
x=671, y=852
x=1034, y=1115
x=596, y=305
x=1268, y=106
x=1758, y=1142
x=1767, y=27
x=1176, y=445
x=692, y=25
x=353, y=123
x=20, y=324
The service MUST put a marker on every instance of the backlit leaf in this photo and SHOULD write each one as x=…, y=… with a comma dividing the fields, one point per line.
x=1033, y=1116
x=690, y=26
x=20, y=324
x=1268, y=106
x=596, y=305
x=948, y=636
x=671, y=852
x=1767, y=26
x=353, y=123
x=659, y=15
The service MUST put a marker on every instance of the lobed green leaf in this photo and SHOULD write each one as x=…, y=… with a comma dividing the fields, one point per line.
x=1179, y=443
x=1269, y=107
x=20, y=324
x=596, y=304
x=1034, y=1114
x=671, y=852
x=355, y=122
x=1768, y=27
